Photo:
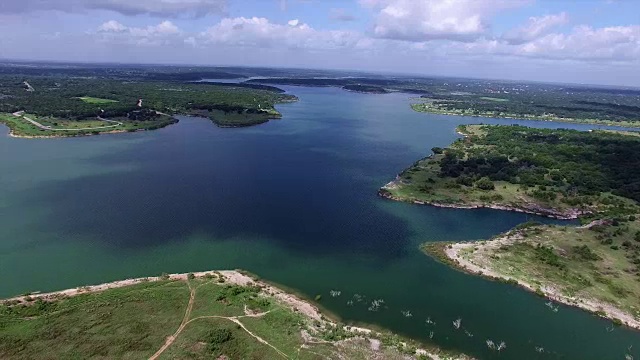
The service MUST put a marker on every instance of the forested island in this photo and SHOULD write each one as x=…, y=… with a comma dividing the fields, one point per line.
x=44, y=104
x=367, y=89
x=567, y=174
x=216, y=314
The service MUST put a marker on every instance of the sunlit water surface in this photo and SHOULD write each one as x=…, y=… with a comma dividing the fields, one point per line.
x=294, y=201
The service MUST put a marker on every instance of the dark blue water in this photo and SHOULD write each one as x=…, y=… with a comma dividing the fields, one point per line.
x=294, y=201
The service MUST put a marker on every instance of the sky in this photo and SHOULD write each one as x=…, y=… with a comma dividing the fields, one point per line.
x=576, y=41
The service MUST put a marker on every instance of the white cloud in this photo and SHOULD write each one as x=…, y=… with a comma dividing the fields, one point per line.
x=191, y=41
x=583, y=43
x=261, y=32
x=534, y=28
x=608, y=45
x=161, y=34
x=112, y=26
x=617, y=43
x=424, y=20
x=542, y=48
x=163, y=8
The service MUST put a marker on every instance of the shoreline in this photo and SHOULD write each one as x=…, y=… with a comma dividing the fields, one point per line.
x=233, y=276
x=562, y=120
x=550, y=213
x=72, y=134
x=14, y=135
x=385, y=192
x=451, y=252
x=236, y=277
x=85, y=134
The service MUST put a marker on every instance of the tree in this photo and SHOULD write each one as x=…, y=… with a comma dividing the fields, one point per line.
x=484, y=183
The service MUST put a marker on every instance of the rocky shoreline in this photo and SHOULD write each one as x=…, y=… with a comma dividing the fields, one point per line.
x=550, y=213
x=453, y=250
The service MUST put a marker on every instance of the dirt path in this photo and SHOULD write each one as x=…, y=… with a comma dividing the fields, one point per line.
x=259, y=338
x=185, y=321
x=230, y=276
x=236, y=320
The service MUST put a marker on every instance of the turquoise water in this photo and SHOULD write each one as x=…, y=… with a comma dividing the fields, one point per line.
x=294, y=201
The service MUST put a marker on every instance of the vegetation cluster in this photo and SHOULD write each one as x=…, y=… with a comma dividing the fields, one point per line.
x=368, y=89
x=558, y=104
x=142, y=101
x=595, y=173
x=204, y=317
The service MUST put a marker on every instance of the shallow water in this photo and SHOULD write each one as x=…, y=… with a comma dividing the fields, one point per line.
x=294, y=201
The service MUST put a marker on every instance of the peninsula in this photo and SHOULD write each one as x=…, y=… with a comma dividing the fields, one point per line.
x=73, y=104
x=594, y=267
x=558, y=173
x=216, y=314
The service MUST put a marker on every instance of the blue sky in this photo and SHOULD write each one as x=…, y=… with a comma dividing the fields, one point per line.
x=586, y=41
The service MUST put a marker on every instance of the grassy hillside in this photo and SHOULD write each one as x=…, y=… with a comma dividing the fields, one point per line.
x=211, y=315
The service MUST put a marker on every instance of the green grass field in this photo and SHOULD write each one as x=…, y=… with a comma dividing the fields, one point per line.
x=94, y=100
x=128, y=323
x=21, y=127
x=18, y=126
x=221, y=321
x=71, y=124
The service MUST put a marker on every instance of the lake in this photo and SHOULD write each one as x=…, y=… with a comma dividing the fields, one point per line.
x=294, y=201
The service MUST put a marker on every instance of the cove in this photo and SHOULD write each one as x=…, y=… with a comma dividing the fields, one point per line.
x=294, y=201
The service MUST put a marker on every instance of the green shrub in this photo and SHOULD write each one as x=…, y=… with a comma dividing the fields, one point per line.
x=217, y=337
x=484, y=183
x=548, y=256
x=585, y=253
